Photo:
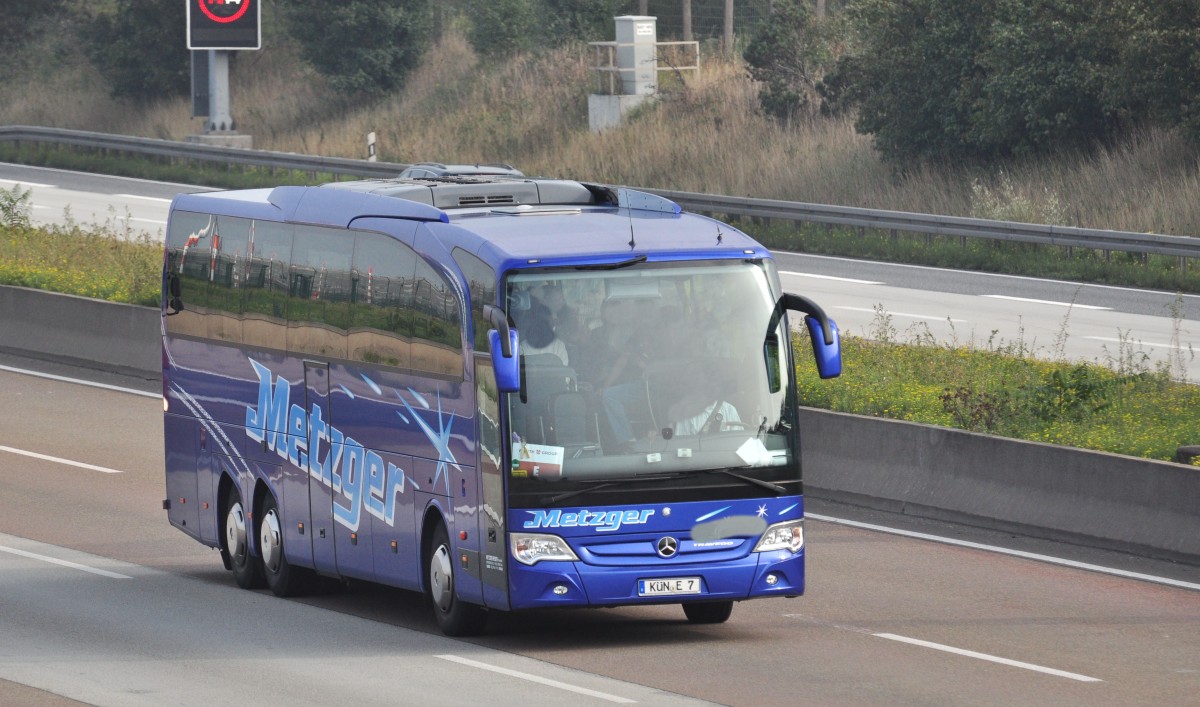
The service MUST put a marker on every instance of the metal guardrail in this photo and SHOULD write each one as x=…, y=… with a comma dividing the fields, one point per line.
x=1067, y=236
x=197, y=151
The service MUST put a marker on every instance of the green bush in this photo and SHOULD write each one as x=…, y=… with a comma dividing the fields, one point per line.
x=140, y=46
x=364, y=47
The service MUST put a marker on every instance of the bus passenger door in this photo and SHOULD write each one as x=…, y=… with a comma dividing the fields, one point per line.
x=321, y=460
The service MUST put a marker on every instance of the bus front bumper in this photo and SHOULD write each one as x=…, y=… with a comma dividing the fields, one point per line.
x=564, y=584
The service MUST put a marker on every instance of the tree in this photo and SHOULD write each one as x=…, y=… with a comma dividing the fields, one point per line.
x=586, y=20
x=1046, y=66
x=777, y=58
x=916, y=80
x=23, y=19
x=1159, y=72
x=987, y=80
x=143, y=59
x=365, y=47
x=501, y=28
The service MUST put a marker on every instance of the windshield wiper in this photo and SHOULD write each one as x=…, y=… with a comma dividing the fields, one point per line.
x=614, y=266
x=598, y=484
x=779, y=490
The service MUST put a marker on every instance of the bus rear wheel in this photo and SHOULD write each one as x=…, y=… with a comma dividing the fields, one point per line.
x=284, y=579
x=454, y=617
x=246, y=569
x=712, y=612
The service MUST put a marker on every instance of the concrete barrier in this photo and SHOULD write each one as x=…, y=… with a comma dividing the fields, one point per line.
x=81, y=331
x=1063, y=493
x=1089, y=498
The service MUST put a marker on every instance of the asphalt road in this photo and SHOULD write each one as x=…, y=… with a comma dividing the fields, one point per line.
x=141, y=614
x=1120, y=326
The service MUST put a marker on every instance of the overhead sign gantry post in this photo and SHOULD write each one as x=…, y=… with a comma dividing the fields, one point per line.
x=219, y=27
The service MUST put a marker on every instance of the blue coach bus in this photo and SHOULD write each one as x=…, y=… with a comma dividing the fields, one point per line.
x=505, y=393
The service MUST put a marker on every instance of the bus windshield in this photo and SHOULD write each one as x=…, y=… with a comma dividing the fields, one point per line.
x=652, y=371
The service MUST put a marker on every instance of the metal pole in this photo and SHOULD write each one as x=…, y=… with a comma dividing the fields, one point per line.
x=219, y=119
x=727, y=40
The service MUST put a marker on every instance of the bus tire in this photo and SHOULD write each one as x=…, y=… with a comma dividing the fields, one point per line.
x=709, y=612
x=284, y=579
x=247, y=571
x=454, y=617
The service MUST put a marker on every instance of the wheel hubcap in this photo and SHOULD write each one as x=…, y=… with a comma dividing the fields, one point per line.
x=441, y=578
x=270, y=542
x=235, y=532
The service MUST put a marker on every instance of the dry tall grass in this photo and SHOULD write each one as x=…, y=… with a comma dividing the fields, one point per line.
x=708, y=136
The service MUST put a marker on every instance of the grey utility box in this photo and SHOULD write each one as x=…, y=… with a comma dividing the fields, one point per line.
x=634, y=64
x=637, y=38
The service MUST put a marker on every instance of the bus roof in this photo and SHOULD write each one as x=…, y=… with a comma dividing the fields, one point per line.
x=505, y=221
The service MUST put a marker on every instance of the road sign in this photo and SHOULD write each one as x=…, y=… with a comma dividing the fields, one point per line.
x=224, y=24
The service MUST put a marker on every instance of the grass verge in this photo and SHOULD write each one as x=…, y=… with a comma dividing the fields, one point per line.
x=1004, y=391
x=108, y=261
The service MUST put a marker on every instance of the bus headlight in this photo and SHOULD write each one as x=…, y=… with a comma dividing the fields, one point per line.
x=532, y=548
x=788, y=535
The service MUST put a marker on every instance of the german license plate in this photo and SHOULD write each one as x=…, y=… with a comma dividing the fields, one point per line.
x=668, y=587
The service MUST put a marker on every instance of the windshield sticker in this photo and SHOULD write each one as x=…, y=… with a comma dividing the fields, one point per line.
x=537, y=460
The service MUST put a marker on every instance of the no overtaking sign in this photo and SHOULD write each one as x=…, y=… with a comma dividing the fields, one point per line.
x=224, y=24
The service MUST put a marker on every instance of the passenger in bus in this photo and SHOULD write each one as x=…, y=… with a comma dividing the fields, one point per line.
x=537, y=334
x=613, y=351
x=620, y=351
x=564, y=319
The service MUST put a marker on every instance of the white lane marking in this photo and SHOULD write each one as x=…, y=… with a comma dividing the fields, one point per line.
x=1007, y=551
x=829, y=277
x=146, y=198
x=1138, y=342
x=28, y=184
x=1074, y=305
x=59, y=460
x=90, y=384
x=63, y=563
x=150, y=220
x=535, y=678
x=907, y=316
x=985, y=656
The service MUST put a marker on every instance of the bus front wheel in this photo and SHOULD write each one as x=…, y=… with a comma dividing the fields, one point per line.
x=454, y=617
x=246, y=569
x=284, y=579
x=712, y=612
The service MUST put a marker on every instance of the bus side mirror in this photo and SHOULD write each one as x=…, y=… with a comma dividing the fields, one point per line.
x=828, y=355
x=507, y=368
x=826, y=343
x=503, y=340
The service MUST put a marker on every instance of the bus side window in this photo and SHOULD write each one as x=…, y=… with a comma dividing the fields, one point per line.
x=264, y=292
x=437, y=331
x=381, y=301
x=774, y=371
x=188, y=246
x=481, y=282
x=227, y=258
x=317, y=290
